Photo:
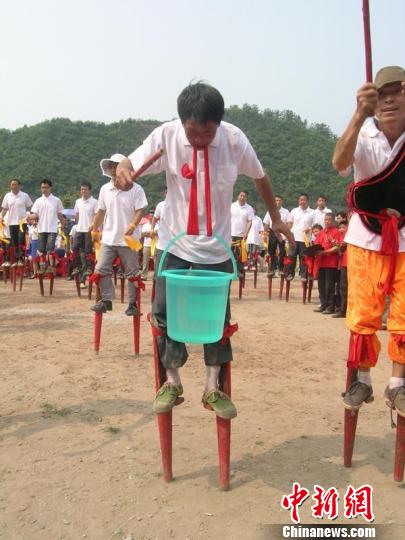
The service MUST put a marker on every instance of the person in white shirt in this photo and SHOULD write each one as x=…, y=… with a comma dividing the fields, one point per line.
x=146, y=234
x=85, y=209
x=157, y=214
x=276, y=246
x=301, y=220
x=202, y=157
x=33, y=245
x=373, y=141
x=47, y=209
x=254, y=239
x=241, y=221
x=321, y=210
x=15, y=204
x=120, y=211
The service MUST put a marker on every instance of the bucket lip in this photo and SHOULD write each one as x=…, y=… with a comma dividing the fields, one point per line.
x=187, y=274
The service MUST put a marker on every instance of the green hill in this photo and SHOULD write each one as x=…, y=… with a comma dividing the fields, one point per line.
x=297, y=155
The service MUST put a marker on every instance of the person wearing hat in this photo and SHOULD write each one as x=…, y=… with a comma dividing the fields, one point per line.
x=374, y=143
x=120, y=213
x=202, y=157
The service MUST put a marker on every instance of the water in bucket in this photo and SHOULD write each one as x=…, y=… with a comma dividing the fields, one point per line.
x=196, y=300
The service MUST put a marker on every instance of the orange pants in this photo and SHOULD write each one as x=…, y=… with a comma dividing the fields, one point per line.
x=367, y=271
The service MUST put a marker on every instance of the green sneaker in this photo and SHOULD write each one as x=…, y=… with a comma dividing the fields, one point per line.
x=220, y=403
x=166, y=397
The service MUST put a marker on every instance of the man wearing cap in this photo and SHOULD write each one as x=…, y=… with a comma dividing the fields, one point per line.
x=374, y=143
x=120, y=211
x=202, y=157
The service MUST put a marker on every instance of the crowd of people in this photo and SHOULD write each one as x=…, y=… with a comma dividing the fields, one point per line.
x=202, y=157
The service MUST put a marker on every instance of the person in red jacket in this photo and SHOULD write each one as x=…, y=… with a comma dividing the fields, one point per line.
x=328, y=260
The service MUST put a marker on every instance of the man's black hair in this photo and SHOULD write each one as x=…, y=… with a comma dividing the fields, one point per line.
x=15, y=180
x=45, y=181
x=279, y=197
x=321, y=197
x=202, y=103
x=303, y=195
x=86, y=183
x=342, y=213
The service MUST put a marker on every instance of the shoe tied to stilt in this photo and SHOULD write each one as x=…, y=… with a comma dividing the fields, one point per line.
x=220, y=403
x=395, y=399
x=132, y=310
x=357, y=393
x=76, y=271
x=102, y=306
x=166, y=397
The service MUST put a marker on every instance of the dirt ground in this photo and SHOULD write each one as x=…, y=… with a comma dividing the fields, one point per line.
x=79, y=449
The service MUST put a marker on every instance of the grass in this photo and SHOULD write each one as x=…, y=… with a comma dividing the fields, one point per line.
x=49, y=410
x=112, y=429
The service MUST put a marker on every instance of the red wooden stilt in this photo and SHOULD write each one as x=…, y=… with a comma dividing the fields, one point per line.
x=152, y=296
x=255, y=277
x=115, y=270
x=77, y=282
x=21, y=278
x=224, y=432
x=90, y=290
x=310, y=287
x=164, y=419
x=281, y=287
x=5, y=275
x=13, y=278
x=399, y=450
x=240, y=286
x=41, y=284
x=137, y=321
x=304, y=292
x=51, y=283
x=98, y=320
x=270, y=285
x=350, y=423
x=287, y=290
x=122, y=285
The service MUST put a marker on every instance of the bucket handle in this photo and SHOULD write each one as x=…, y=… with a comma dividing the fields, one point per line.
x=220, y=240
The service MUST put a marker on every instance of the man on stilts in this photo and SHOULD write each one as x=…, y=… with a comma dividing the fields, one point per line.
x=374, y=143
x=202, y=157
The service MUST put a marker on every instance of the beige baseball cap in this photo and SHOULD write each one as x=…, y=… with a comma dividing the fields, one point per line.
x=389, y=74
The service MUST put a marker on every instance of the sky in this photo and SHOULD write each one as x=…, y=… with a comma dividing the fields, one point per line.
x=109, y=60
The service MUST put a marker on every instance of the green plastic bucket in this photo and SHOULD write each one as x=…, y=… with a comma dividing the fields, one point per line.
x=196, y=300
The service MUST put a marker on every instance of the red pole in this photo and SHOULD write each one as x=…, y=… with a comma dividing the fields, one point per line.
x=240, y=286
x=287, y=290
x=122, y=285
x=13, y=276
x=270, y=285
x=281, y=287
x=41, y=284
x=304, y=292
x=98, y=320
x=224, y=431
x=51, y=282
x=399, y=450
x=21, y=278
x=311, y=284
x=137, y=321
x=350, y=423
x=77, y=281
x=367, y=41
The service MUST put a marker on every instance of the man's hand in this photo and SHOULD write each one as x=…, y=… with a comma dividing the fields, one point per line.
x=130, y=229
x=124, y=175
x=279, y=228
x=367, y=98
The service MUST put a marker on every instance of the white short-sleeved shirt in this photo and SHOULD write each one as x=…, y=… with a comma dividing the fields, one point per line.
x=47, y=209
x=120, y=207
x=254, y=236
x=230, y=154
x=159, y=210
x=319, y=217
x=86, y=208
x=17, y=206
x=373, y=153
x=241, y=214
x=147, y=240
x=284, y=214
x=301, y=220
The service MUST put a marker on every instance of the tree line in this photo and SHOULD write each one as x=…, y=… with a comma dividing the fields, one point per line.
x=295, y=154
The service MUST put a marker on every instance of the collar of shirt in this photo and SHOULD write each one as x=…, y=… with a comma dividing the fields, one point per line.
x=370, y=126
x=214, y=143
